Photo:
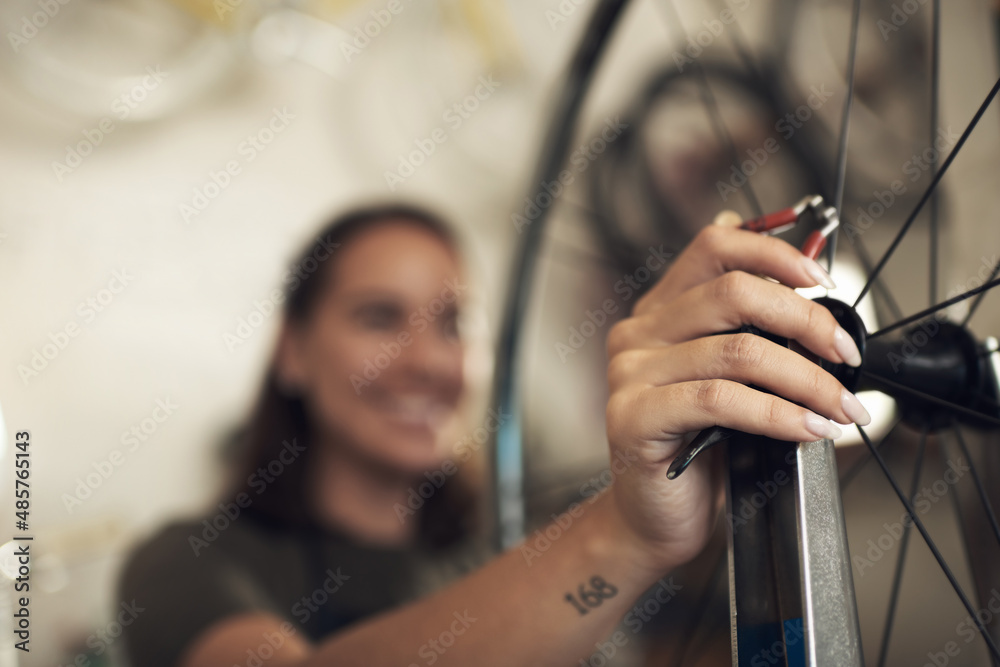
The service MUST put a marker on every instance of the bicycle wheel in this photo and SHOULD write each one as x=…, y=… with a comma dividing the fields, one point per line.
x=941, y=376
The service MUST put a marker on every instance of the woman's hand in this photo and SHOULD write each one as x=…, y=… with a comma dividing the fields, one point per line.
x=670, y=377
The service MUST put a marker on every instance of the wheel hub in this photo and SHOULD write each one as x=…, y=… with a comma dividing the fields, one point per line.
x=932, y=364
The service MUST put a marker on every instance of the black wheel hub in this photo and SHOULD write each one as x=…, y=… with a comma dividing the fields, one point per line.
x=931, y=365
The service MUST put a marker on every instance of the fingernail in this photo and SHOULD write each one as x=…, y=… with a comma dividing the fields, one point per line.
x=728, y=219
x=844, y=344
x=853, y=409
x=818, y=273
x=822, y=428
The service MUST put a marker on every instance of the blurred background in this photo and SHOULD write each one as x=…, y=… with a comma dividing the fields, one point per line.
x=162, y=160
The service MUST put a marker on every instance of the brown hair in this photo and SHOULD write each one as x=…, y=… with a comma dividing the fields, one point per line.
x=278, y=416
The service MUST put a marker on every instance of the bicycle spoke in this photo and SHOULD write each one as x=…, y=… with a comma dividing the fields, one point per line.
x=845, y=126
x=932, y=546
x=714, y=114
x=980, y=296
x=859, y=465
x=897, y=578
x=980, y=489
x=929, y=191
x=941, y=306
x=895, y=386
x=935, y=86
x=861, y=252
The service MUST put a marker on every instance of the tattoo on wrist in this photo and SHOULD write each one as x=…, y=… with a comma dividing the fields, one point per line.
x=586, y=599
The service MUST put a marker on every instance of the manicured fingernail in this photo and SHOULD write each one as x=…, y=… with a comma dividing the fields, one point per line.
x=728, y=219
x=853, y=409
x=818, y=273
x=822, y=428
x=844, y=344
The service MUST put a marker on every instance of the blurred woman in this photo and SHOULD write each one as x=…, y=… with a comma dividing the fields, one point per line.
x=320, y=557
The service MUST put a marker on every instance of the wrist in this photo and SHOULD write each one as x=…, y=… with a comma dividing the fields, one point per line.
x=616, y=540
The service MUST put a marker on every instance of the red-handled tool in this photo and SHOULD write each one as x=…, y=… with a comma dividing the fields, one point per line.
x=817, y=239
x=786, y=218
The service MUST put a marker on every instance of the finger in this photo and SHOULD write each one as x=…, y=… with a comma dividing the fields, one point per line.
x=718, y=249
x=737, y=298
x=744, y=358
x=661, y=416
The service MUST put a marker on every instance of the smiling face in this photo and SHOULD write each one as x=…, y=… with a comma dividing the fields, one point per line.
x=379, y=360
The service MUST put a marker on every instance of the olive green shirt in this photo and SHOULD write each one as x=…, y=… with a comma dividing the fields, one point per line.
x=191, y=575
